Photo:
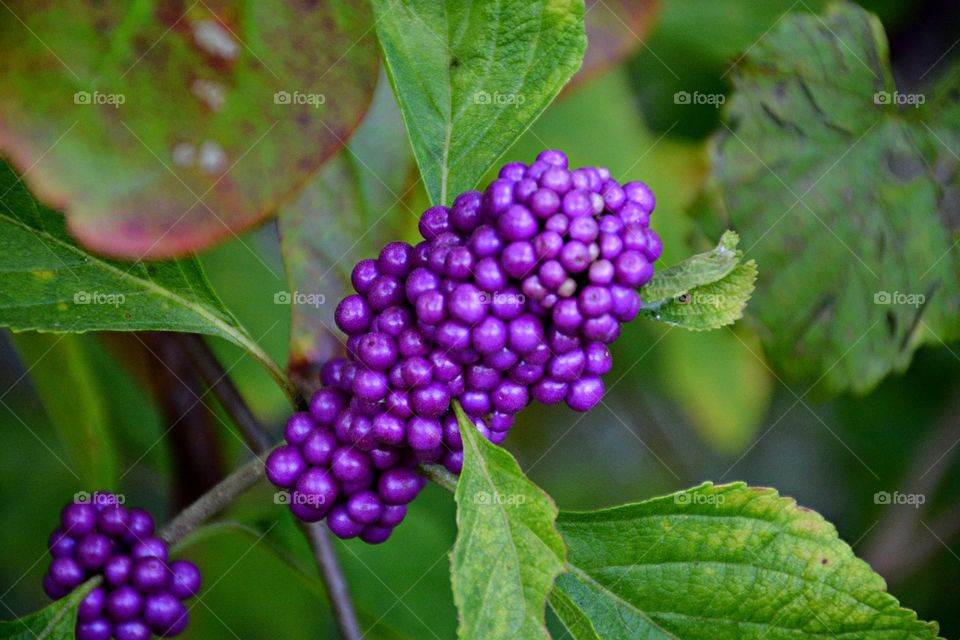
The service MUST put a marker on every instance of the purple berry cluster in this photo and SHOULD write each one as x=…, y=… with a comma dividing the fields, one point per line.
x=512, y=296
x=141, y=593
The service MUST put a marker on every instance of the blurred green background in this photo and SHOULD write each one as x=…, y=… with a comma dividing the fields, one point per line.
x=682, y=407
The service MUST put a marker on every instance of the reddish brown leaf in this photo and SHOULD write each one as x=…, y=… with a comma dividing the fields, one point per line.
x=162, y=128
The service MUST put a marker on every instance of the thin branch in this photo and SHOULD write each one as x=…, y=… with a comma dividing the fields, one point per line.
x=213, y=501
x=216, y=378
x=440, y=475
x=326, y=556
x=257, y=439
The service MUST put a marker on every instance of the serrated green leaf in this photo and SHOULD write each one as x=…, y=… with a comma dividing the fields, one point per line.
x=49, y=284
x=508, y=551
x=700, y=269
x=706, y=291
x=830, y=174
x=64, y=362
x=713, y=305
x=471, y=77
x=54, y=622
x=727, y=562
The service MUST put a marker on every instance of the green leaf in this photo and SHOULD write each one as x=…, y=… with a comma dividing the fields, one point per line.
x=470, y=78
x=726, y=562
x=160, y=128
x=507, y=552
x=54, y=622
x=361, y=188
x=706, y=291
x=63, y=362
x=49, y=284
x=830, y=175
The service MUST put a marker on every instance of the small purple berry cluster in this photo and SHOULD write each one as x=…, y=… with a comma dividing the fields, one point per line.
x=514, y=294
x=141, y=593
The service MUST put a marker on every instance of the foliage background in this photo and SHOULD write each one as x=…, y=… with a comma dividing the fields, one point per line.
x=684, y=408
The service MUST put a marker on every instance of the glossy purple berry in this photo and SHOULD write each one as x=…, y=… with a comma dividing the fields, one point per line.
x=99, y=629
x=161, y=611
x=353, y=315
x=123, y=603
x=93, y=550
x=66, y=573
x=185, y=579
x=399, y=486
x=585, y=393
x=284, y=465
x=78, y=519
x=149, y=547
x=131, y=630
x=342, y=525
x=350, y=465
x=91, y=607
x=117, y=570
x=149, y=575
x=365, y=507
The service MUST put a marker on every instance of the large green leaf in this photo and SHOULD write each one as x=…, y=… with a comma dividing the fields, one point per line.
x=162, y=127
x=48, y=283
x=471, y=77
x=54, y=622
x=362, y=188
x=63, y=362
x=830, y=175
x=507, y=552
x=705, y=291
x=724, y=562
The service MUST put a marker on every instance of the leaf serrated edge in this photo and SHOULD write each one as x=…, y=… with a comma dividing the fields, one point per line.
x=791, y=508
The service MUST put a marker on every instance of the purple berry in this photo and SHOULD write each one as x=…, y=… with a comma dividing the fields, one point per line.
x=78, y=519
x=342, y=525
x=93, y=551
x=117, y=570
x=66, y=573
x=161, y=611
x=585, y=393
x=131, y=630
x=91, y=607
x=284, y=465
x=123, y=603
x=184, y=579
x=149, y=547
x=149, y=575
x=98, y=629
x=399, y=486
